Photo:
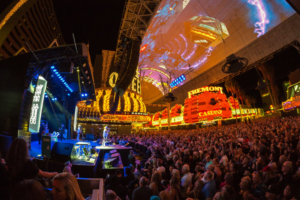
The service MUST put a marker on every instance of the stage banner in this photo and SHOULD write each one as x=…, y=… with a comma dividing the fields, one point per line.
x=125, y=118
x=37, y=105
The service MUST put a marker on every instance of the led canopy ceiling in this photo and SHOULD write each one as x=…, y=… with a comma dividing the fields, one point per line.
x=198, y=34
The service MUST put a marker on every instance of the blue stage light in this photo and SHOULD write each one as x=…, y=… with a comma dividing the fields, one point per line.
x=52, y=67
x=68, y=94
x=52, y=99
x=82, y=95
x=86, y=95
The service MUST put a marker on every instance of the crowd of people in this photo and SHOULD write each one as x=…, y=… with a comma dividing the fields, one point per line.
x=256, y=160
x=19, y=178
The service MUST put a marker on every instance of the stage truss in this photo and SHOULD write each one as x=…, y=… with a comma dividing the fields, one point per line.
x=137, y=15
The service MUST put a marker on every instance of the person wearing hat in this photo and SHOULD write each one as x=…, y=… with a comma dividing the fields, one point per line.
x=272, y=192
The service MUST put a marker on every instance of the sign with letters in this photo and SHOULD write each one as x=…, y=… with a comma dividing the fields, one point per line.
x=37, y=105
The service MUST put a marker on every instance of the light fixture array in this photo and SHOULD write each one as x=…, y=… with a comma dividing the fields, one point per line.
x=177, y=81
x=84, y=95
x=60, y=78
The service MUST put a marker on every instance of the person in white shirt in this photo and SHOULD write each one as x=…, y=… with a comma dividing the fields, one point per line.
x=160, y=168
x=186, y=180
x=224, y=159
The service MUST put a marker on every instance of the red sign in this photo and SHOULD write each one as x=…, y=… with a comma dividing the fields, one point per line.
x=125, y=118
x=207, y=106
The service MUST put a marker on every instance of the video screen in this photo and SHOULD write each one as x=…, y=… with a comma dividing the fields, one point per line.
x=198, y=34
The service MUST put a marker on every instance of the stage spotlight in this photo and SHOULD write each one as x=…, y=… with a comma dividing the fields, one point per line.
x=46, y=96
x=52, y=67
x=82, y=95
x=86, y=95
x=54, y=70
x=53, y=99
x=68, y=94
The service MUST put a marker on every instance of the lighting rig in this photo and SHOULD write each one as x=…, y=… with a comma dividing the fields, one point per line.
x=178, y=80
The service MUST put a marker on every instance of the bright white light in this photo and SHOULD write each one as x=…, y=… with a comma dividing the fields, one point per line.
x=185, y=3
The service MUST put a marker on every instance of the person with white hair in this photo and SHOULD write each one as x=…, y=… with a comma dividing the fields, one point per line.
x=186, y=180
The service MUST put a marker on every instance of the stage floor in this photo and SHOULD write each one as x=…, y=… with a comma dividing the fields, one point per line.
x=36, y=148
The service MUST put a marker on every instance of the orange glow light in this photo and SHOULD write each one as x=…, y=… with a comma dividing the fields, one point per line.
x=12, y=12
x=204, y=34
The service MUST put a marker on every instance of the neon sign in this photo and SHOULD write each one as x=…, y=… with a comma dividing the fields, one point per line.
x=37, y=105
x=205, y=89
x=292, y=103
x=260, y=27
x=126, y=118
x=209, y=113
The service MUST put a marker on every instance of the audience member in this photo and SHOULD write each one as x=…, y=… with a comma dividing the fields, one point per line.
x=65, y=187
x=143, y=192
x=20, y=167
x=28, y=190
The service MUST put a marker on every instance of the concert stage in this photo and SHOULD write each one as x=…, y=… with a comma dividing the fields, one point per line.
x=88, y=168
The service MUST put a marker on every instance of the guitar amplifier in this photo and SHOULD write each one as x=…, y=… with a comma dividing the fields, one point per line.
x=111, y=162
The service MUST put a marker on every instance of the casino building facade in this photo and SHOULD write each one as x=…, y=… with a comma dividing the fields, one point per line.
x=28, y=21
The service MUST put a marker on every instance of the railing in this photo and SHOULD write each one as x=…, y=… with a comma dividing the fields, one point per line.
x=92, y=187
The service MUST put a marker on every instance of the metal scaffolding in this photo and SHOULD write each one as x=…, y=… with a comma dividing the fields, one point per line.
x=137, y=15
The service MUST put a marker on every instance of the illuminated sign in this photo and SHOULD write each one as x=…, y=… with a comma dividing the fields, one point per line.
x=292, y=103
x=155, y=123
x=37, y=105
x=164, y=121
x=135, y=83
x=126, y=118
x=208, y=113
x=177, y=119
x=205, y=89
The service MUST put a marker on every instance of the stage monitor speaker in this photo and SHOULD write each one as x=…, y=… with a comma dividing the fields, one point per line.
x=63, y=152
x=295, y=5
x=89, y=137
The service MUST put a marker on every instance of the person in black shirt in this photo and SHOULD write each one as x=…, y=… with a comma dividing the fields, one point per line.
x=19, y=166
x=116, y=187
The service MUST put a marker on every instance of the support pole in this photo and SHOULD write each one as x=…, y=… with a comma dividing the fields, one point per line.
x=168, y=116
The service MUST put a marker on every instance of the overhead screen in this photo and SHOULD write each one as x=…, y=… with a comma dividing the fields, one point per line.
x=198, y=34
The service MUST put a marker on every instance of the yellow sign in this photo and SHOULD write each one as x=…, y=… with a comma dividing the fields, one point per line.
x=292, y=103
x=206, y=89
x=211, y=112
x=126, y=118
x=135, y=84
